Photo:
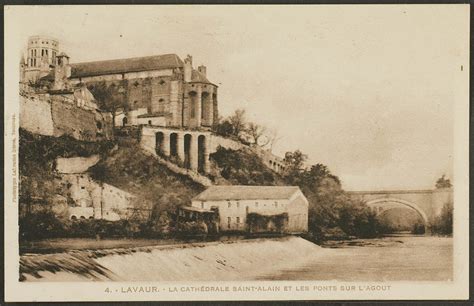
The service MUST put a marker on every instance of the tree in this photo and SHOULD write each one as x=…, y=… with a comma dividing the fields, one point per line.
x=256, y=132
x=273, y=137
x=443, y=182
x=294, y=161
x=238, y=121
x=110, y=98
x=443, y=224
x=224, y=128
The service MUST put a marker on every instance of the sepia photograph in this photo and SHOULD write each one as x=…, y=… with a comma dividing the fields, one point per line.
x=220, y=152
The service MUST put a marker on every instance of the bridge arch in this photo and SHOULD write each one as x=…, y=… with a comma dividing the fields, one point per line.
x=411, y=205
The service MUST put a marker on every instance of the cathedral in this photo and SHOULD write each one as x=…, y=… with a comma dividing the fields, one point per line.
x=159, y=90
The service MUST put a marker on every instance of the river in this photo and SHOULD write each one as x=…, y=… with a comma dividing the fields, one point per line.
x=404, y=258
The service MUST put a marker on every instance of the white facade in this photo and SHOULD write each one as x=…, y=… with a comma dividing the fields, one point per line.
x=233, y=212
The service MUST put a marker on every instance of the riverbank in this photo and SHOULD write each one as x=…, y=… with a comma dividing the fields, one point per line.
x=229, y=260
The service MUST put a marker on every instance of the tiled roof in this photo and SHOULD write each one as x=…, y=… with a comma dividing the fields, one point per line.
x=236, y=192
x=135, y=64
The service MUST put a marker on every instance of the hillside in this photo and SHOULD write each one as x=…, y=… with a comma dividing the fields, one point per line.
x=38, y=153
x=243, y=167
x=122, y=166
x=128, y=168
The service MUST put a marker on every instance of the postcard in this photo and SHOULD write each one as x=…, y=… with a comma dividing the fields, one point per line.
x=236, y=152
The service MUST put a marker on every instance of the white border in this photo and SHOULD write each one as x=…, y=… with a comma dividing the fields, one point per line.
x=17, y=291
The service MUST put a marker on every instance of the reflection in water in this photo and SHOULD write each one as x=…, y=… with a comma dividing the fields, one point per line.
x=391, y=259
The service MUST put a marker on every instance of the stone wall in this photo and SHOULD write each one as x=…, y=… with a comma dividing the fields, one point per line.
x=226, y=143
x=35, y=115
x=71, y=120
x=115, y=203
x=272, y=161
x=57, y=115
x=94, y=199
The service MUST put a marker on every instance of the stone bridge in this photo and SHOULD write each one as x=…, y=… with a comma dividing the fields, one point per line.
x=427, y=203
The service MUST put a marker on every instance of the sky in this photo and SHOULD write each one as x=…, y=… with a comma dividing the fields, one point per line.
x=369, y=91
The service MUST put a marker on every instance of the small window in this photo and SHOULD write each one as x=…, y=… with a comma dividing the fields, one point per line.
x=82, y=187
x=256, y=204
x=228, y=222
x=162, y=82
x=202, y=204
x=149, y=122
x=229, y=204
x=238, y=220
x=238, y=204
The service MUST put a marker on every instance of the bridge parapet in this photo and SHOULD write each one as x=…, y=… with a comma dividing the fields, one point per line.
x=428, y=203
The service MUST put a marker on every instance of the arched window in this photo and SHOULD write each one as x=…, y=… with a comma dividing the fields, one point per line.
x=124, y=121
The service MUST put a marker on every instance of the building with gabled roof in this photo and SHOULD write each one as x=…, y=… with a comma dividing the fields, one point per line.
x=282, y=209
x=164, y=89
x=135, y=64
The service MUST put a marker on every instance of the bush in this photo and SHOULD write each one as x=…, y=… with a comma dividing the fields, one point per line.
x=40, y=225
x=242, y=167
x=443, y=224
x=191, y=228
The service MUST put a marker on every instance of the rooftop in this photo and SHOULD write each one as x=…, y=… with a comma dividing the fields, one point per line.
x=236, y=192
x=198, y=77
x=196, y=209
x=117, y=66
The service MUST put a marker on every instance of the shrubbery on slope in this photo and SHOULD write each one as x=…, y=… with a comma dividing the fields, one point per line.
x=243, y=167
x=130, y=169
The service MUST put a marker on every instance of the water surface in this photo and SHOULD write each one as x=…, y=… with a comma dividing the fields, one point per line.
x=413, y=258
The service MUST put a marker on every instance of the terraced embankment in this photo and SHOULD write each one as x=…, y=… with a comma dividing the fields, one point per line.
x=236, y=260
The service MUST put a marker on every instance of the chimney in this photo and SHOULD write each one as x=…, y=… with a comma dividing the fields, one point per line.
x=202, y=70
x=188, y=68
